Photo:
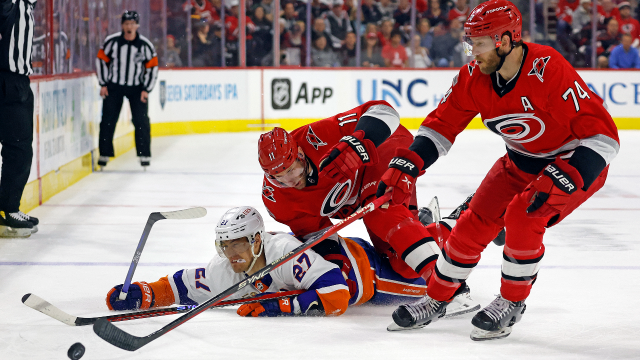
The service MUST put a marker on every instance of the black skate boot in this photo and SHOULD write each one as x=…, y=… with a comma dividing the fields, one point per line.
x=15, y=225
x=103, y=160
x=495, y=321
x=145, y=161
x=418, y=314
x=33, y=220
x=455, y=215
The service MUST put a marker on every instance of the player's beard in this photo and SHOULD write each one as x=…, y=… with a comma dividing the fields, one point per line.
x=489, y=62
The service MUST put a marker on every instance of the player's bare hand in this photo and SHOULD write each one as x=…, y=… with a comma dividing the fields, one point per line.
x=104, y=92
x=144, y=96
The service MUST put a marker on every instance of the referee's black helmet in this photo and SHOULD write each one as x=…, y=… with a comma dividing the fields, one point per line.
x=130, y=15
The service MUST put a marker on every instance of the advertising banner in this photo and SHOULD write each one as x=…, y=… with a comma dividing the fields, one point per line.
x=314, y=94
x=203, y=95
x=69, y=114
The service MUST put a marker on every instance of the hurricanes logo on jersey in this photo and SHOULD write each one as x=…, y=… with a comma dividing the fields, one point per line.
x=313, y=139
x=538, y=67
x=267, y=191
x=336, y=198
x=471, y=65
x=519, y=128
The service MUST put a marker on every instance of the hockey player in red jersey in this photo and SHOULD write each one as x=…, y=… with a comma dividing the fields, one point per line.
x=329, y=168
x=560, y=140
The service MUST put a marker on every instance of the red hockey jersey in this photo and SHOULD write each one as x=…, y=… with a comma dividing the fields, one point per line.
x=546, y=110
x=308, y=210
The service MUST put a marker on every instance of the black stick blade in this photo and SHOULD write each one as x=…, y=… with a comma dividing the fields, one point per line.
x=116, y=336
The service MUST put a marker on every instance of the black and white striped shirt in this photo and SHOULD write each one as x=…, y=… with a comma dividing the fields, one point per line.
x=127, y=63
x=61, y=54
x=16, y=35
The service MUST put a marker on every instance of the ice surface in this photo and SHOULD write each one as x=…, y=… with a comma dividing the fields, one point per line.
x=585, y=304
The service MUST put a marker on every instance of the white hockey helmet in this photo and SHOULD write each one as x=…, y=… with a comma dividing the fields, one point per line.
x=239, y=222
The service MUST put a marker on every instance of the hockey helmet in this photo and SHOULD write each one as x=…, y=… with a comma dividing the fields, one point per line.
x=131, y=15
x=277, y=151
x=237, y=223
x=491, y=19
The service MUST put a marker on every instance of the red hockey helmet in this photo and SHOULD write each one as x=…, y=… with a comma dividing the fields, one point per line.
x=492, y=18
x=277, y=150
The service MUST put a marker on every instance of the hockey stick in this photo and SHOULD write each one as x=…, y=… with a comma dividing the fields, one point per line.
x=119, y=338
x=192, y=213
x=37, y=303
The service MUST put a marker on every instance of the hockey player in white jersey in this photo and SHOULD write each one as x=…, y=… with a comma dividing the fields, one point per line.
x=244, y=247
x=353, y=273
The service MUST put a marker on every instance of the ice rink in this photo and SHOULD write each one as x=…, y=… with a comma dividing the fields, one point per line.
x=585, y=304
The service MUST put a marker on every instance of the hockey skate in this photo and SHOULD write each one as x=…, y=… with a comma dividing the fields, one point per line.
x=462, y=302
x=418, y=314
x=15, y=225
x=431, y=213
x=145, y=161
x=496, y=320
x=103, y=160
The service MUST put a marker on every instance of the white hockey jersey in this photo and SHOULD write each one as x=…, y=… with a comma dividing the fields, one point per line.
x=309, y=271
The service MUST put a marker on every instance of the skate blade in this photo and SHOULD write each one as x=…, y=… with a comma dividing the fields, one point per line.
x=9, y=232
x=35, y=229
x=395, y=327
x=483, y=335
x=461, y=310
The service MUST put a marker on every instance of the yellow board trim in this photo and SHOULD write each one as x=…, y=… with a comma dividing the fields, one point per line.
x=213, y=126
x=68, y=174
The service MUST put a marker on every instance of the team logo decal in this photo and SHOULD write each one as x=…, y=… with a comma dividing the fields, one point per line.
x=280, y=94
x=519, y=128
x=313, y=139
x=471, y=66
x=267, y=191
x=139, y=57
x=336, y=198
x=538, y=67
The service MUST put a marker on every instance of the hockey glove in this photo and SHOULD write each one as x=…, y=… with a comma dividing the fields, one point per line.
x=140, y=296
x=347, y=156
x=279, y=307
x=401, y=176
x=550, y=192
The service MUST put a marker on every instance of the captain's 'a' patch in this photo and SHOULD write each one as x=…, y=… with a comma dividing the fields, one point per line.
x=538, y=67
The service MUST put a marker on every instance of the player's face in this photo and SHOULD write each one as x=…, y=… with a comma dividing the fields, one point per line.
x=294, y=176
x=483, y=50
x=238, y=252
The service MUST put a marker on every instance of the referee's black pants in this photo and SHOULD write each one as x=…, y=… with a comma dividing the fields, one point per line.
x=16, y=137
x=111, y=106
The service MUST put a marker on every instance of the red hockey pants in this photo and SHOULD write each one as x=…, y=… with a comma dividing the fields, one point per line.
x=499, y=203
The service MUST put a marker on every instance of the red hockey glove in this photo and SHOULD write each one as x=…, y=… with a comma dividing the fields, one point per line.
x=550, y=192
x=140, y=296
x=347, y=156
x=403, y=170
x=279, y=307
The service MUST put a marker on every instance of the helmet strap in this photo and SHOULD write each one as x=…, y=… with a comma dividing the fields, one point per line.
x=504, y=57
x=256, y=256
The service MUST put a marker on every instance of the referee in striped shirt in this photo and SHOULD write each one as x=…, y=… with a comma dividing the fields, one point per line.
x=16, y=114
x=127, y=65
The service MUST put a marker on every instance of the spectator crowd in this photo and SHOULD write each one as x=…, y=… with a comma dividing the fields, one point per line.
x=385, y=26
x=205, y=33
x=617, y=33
